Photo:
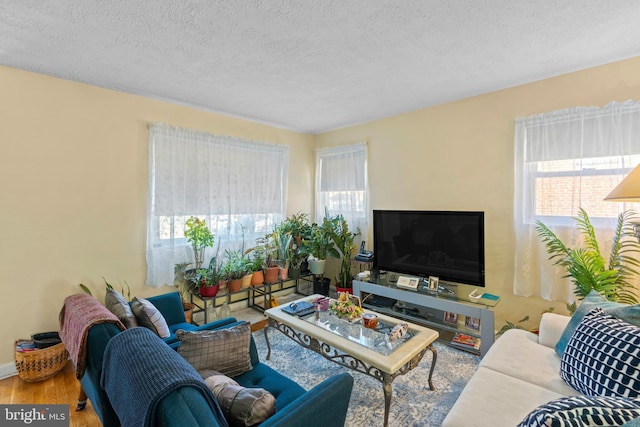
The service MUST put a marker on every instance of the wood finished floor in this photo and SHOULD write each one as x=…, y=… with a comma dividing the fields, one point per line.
x=60, y=389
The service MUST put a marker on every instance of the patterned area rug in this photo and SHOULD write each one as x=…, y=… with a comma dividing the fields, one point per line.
x=413, y=404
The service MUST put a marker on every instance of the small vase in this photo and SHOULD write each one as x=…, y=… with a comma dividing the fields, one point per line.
x=283, y=273
x=224, y=311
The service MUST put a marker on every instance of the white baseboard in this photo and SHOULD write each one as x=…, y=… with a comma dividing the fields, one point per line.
x=7, y=370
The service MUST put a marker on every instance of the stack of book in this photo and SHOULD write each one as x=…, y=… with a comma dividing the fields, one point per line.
x=25, y=345
x=465, y=341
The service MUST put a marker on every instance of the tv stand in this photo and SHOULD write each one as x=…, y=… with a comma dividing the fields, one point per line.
x=431, y=310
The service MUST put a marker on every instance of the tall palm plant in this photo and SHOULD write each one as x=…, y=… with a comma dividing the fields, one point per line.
x=587, y=267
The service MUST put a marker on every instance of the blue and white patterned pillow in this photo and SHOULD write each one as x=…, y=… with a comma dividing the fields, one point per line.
x=583, y=411
x=602, y=357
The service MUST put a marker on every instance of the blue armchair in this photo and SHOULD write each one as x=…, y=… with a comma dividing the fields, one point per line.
x=324, y=405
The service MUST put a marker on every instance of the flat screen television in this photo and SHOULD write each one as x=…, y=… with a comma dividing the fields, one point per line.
x=445, y=244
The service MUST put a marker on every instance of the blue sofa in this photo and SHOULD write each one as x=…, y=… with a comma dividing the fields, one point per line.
x=324, y=405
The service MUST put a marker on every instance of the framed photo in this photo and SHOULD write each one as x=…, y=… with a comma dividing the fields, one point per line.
x=433, y=283
x=450, y=318
x=472, y=323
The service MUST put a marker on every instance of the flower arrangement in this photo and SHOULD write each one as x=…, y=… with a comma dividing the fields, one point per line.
x=345, y=308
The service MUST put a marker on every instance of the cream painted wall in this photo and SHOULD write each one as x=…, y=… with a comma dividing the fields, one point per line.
x=459, y=156
x=73, y=178
x=73, y=191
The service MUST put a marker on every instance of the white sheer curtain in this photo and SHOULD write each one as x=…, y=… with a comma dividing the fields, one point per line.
x=237, y=185
x=564, y=160
x=341, y=184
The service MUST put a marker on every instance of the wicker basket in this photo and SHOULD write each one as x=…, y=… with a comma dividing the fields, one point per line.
x=38, y=365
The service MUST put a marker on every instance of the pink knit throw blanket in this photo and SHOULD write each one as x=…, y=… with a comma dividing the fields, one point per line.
x=79, y=313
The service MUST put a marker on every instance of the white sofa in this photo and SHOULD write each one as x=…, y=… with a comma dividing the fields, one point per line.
x=520, y=372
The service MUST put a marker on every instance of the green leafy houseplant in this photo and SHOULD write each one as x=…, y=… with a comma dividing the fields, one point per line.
x=319, y=241
x=198, y=234
x=283, y=243
x=236, y=265
x=296, y=225
x=344, y=247
x=587, y=267
x=206, y=277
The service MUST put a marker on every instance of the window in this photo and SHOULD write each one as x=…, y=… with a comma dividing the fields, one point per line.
x=341, y=184
x=565, y=160
x=237, y=185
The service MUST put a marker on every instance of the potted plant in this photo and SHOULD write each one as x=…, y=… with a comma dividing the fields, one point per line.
x=257, y=259
x=208, y=280
x=297, y=225
x=234, y=269
x=318, y=245
x=185, y=287
x=587, y=267
x=344, y=249
x=248, y=271
x=283, y=249
x=267, y=248
x=198, y=234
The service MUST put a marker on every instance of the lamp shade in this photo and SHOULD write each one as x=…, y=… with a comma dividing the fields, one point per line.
x=629, y=188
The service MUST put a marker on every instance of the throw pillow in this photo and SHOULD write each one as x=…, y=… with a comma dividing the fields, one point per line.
x=579, y=411
x=241, y=406
x=121, y=308
x=628, y=313
x=150, y=317
x=602, y=357
x=223, y=350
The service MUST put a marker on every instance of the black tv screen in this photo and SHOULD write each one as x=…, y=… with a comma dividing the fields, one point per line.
x=448, y=245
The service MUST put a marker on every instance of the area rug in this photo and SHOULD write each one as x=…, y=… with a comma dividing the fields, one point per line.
x=413, y=404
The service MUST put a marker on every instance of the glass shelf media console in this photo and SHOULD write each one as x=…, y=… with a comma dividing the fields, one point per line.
x=447, y=313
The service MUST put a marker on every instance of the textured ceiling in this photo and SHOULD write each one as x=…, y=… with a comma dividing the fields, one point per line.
x=314, y=65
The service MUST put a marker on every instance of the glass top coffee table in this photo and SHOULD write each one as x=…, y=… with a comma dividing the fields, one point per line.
x=368, y=351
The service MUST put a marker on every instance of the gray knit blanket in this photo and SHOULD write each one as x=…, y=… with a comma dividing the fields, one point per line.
x=139, y=370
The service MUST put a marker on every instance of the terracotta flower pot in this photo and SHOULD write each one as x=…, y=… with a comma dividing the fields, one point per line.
x=234, y=285
x=257, y=278
x=271, y=274
x=283, y=273
x=188, y=311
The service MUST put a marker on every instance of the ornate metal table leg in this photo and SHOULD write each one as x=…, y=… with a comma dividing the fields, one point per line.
x=387, y=386
x=266, y=338
x=433, y=365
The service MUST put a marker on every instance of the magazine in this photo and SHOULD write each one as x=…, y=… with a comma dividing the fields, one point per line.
x=461, y=340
